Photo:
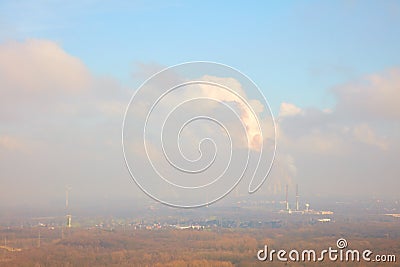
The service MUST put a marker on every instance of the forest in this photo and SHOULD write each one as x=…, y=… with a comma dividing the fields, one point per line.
x=41, y=246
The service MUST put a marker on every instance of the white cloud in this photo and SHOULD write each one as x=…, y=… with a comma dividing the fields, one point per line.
x=36, y=66
x=288, y=109
x=351, y=144
x=373, y=96
x=249, y=109
x=66, y=118
x=39, y=77
x=365, y=134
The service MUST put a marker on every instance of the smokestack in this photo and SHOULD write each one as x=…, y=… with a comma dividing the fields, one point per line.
x=69, y=219
x=297, y=197
x=287, y=195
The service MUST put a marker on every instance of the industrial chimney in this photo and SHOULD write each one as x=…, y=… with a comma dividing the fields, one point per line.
x=69, y=217
x=287, y=195
x=297, y=197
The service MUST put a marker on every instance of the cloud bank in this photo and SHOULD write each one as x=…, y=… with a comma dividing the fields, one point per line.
x=60, y=124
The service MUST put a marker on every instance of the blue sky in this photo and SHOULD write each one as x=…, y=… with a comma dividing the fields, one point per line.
x=294, y=50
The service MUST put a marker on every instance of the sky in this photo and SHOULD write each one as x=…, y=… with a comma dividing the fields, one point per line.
x=329, y=70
